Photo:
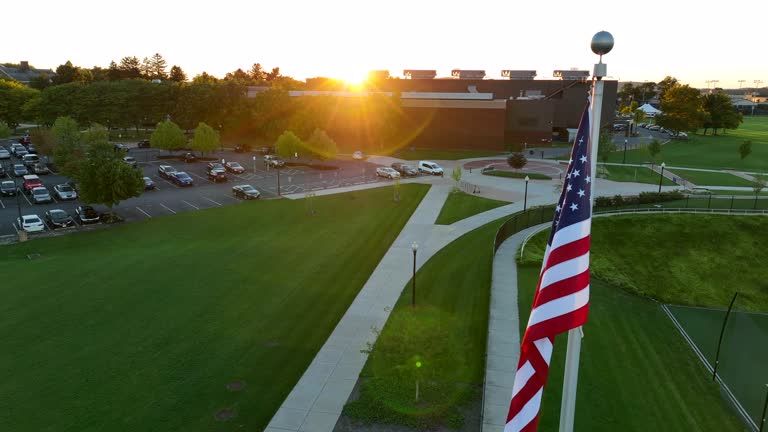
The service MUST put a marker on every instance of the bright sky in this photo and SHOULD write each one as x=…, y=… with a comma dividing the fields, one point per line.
x=691, y=41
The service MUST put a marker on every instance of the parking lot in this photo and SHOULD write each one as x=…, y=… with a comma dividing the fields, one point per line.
x=168, y=198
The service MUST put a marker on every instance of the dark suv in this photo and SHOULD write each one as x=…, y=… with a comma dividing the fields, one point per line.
x=217, y=175
x=143, y=144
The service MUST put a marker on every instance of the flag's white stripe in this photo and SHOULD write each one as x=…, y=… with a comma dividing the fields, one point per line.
x=544, y=262
x=571, y=233
x=545, y=348
x=526, y=414
x=565, y=270
x=522, y=376
x=559, y=306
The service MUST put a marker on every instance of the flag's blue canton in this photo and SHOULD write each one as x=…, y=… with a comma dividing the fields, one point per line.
x=574, y=204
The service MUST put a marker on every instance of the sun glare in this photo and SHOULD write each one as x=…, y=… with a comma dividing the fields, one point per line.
x=355, y=80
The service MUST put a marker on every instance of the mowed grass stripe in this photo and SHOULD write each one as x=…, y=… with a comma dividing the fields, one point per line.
x=636, y=372
x=142, y=326
x=461, y=205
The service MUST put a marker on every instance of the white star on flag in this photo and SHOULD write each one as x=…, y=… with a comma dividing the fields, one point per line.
x=574, y=206
x=588, y=179
x=557, y=209
x=575, y=173
x=583, y=159
x=581, y=192
x=569, y=187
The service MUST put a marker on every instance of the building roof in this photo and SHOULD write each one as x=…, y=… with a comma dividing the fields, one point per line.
x=23, y=75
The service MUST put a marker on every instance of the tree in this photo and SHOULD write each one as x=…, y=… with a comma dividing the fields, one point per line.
x=104, y=178
x=605, y=146
x=239, y=76
x=41, y=81
x=667, y=83
x=456, y=175
x=168, y=136
x=68, y=150
x=5, y=131
x=44, y=140
x=274, y=75
x=204, y=78
x=130, y=68
x=13, y=96
x=155, y=67
x=654, y=148
x=638, y=116
x=321, y=146
x=288, y=144
x=177, y=74
x=517, y=160
x=721, y=112
x=682, y=109
x=257, y=73
x=745, y=149
x=759, y=184
x=206, y=139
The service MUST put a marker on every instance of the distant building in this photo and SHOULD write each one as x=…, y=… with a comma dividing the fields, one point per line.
x=23, y=72
x=468, y=113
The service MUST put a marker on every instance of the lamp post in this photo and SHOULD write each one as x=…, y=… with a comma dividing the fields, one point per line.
x=765, y=408
x=18, y=192
x=277, y=169
x=414, y=247
x=525, y=199
x=624, y=161
x=661, y=177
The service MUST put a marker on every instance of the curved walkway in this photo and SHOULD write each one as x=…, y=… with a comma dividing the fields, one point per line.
x=316, y=401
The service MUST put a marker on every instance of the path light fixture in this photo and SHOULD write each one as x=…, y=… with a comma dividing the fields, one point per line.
x=414, y=248
x=525, y=199
x=661, y=177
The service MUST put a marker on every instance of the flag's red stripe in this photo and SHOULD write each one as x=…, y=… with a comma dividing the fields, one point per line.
x=524, y=395
x=531, y=427
x=563, y=288
x=559, y=324
x=567, y=252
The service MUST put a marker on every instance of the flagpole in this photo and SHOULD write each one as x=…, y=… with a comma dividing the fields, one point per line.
x=602, y=43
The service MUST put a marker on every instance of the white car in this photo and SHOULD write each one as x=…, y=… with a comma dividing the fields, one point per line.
x=357, y=155
x=387, y=172
x=430, y=168
x=64, y=192
x=4, y=154
x=130, y=160
x=31, y=223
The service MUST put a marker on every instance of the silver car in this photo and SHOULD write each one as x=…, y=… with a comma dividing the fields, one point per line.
x=64, y=192
x=40, y=195
x=4, y=154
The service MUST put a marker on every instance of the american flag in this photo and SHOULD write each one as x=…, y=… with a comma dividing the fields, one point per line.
x=561, y=302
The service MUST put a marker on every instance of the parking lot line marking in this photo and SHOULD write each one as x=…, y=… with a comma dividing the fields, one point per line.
x=218, y=204
x=14, y=227
x=201, y=178
x=54, y=199
x=1, y=203
x=163, y=205
x=139, y=209
x=25, y=197
x=193, y=206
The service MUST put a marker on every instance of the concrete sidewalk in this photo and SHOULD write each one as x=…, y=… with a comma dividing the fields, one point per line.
x=315, y=403
x=503, y=348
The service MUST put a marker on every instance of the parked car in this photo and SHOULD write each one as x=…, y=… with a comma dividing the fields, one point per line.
x=64, y=192
x=8, y=188
x=405, y=169
x=234, y=167
x=29, y=160
x=189, y=157
x=87, y=214
x=387, y=172
x=210, y=166
x=18, y=150
x=357, y=155
x=30, y=223
x=165, y=171
x=428, y=167
x=20, y=170
x=654, y=127
x=119, y=147
x=144, y=144
x=30, y=182
x=130, y=160
x=180, y=178
x=2, y=171
x=245, y=192
x=40, y=195
x=266, y=150
x=148, y=183
x=41, y=169
x=273, y=161
x=4, y=154
x=25, y=140
x=217, y=175
x=244, y=148
x=58, y=218
x=32, y=149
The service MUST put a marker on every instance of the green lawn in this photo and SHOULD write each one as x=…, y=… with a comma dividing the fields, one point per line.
x=743, y=355
x=443, y=154
x=636, y=372
x=697, y=260
x=142, y=326
x=446, y=332
x=716, y=152
x=707, y=178
x=517, y=175
x=460, y=205
x=619, y=173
